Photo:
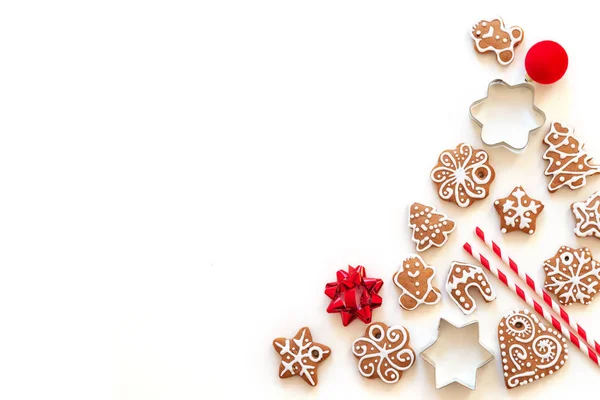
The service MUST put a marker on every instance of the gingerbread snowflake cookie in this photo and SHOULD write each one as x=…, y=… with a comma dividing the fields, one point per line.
x=568, y=164
x=463, y=277
x=496, y=37
x=384, y=352
x=587, y=216
x=463, y=175
x=572, y=275
x=530, y=351
x=518, y=211
x=415, y=278
x=300, y=356
x=429, y=226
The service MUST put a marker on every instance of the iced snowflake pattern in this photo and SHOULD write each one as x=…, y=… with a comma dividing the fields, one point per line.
x=300, y=356
x=518, y=211
x=587, y=216
x=572, y=275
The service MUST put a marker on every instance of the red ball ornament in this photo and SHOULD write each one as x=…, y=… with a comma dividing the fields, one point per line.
x=546, y=62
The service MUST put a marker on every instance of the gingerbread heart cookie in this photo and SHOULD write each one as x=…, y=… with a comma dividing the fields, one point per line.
x=384, y=352
x=415, y=278
x=463, y=175
x=496, y=37
x=572, y=275
x=529, y=350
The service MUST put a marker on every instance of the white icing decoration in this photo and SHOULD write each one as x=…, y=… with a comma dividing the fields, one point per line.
x=576, y=179
x=461, y=280
x=519, y=212
x=381, y=362
x=478, y=38
x=457, y=176
x=417, y=295
x=587, y=216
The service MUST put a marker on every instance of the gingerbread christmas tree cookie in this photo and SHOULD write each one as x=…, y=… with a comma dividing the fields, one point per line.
x=568, y=164
x=518, y=211
x=587, y=216
x=430, y=227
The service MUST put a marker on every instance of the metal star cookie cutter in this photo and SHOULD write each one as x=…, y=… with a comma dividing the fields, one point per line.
x=504, y=133
x=457, y=370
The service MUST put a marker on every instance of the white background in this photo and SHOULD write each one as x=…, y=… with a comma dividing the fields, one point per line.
x=180, y=179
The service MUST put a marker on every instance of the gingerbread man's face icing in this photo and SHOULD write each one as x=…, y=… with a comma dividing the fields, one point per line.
x=495, y=36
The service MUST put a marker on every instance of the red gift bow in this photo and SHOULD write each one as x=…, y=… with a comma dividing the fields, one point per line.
x=354, y=295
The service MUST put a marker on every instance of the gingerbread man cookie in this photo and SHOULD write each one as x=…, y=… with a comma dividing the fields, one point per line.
x=430, y=227
x=300, y=356
x=587, y=216
x=461, y=278
x=568, y=164
x=463, y=175
x=384, y=352
x=518, y=211
x=415, y=278
x=572, y=275
x=495, y=36
x=530, y=351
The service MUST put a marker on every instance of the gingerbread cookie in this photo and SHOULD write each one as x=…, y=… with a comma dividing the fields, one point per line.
x=461, y=278
x=384, y=352
x=587, y=216
x=463, y=175
x=529, y=350
x=518, y=211
x=568, y=164
x=415, y=278
x=572, y=275
x=300, y=356
x=495, y=36
x=430, y=227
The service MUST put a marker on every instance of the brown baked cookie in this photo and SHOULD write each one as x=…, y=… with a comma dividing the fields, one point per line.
x=430, y=227
x=463, y=175
x=572, y=275
x=587, y=216
x=568, y=163
x=300, y=356
x=415, y=278
x=518, y=211
x=461, y=278
x=384, y=352
x=495, y=36
x=529, y=350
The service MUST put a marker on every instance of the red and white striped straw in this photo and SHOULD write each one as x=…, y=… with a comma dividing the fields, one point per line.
x=538, y=290
x=532, y=303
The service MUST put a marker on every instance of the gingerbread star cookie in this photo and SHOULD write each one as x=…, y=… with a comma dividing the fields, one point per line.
x=530, y=351
x=415, y=278
x=384, y=352
x=568, y=164
x=300, y=356
x=518, y=211
x=572, y=275
x=587, y=216
x=463, y=175
x=463, y=277
x=496, y=37
x=430, y=227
